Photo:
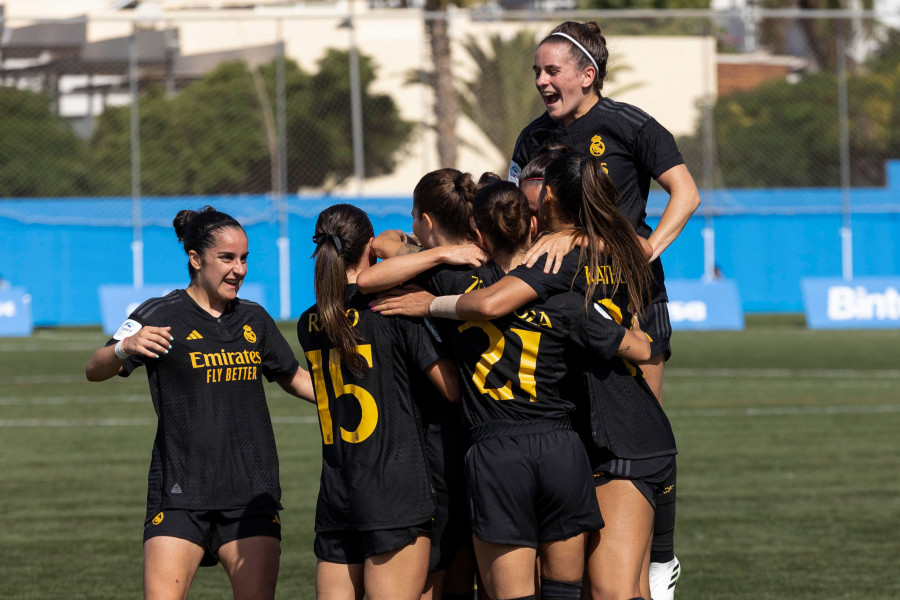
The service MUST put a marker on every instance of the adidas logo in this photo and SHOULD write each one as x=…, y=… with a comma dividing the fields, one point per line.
x=195, y=335
x=176, y=489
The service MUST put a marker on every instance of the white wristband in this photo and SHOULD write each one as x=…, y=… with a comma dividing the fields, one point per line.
x=120, y=352
x=444, y=307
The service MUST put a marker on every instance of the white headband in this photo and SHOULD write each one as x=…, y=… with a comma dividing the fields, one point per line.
x=583, y=49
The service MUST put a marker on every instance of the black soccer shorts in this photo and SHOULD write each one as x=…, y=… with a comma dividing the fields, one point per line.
x=212, y=529
x=348, y=547
x=649, y=475
x=529, y=488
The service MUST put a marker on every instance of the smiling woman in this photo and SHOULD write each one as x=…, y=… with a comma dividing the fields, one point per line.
x=633, y=148
x=213, y=488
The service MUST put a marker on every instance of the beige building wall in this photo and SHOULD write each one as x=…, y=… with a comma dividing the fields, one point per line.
x=665, y=76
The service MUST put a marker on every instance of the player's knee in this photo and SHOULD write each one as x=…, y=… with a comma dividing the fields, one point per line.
x=560, y=590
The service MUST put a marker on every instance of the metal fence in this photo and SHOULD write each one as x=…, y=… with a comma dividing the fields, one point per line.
x=353, y=103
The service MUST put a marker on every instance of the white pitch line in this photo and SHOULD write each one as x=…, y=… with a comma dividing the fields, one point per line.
x=44, y=347
x=786, y=373
x=114, y=422
x=48, y=378
x=62, y=400
x=778, y=411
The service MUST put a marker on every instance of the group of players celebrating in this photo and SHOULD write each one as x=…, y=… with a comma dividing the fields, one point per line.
x=488, y=389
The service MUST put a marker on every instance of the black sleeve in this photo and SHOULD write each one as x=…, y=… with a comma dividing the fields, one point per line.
x=548, y=284
x=656, y=149
x=418, y=343
x=595, y=330
x=278, y=360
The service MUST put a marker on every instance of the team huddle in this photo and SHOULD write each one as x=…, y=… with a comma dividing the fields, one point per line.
x=488, y=387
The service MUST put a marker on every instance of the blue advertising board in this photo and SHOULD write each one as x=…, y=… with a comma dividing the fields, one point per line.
x=15, y=312
x=863, y=303
x=119, y=301
x=699, y=305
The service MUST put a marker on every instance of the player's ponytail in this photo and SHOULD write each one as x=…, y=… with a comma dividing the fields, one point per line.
x=196, y=229
x=342, y=233
x=503, y=216
x=587, y=199
x=587, y=45
x=446, y=195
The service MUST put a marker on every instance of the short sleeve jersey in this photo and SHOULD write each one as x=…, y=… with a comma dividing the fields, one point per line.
x=632, y=145
x=625, y=416
x=374, y=472
x=214, y=446
x=513, y=368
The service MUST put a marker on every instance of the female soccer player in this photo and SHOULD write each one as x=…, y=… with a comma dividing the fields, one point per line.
x=443, y=225
x=569, y=68
x=213, y=492
x=512, y=491
x=627, y=424
x=375, y=505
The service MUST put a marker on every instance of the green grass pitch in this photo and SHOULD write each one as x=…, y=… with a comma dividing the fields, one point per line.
x=789, y=468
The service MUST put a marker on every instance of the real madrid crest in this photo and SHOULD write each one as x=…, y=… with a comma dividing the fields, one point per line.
x=249, y=335
x=597, y=146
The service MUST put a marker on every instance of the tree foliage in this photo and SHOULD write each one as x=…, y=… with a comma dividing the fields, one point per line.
x=214, y=137
x=500, y=98
x=787, y=135
x=40, y=155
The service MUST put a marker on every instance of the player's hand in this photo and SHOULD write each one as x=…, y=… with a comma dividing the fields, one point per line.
x=555, y=246
x=409, y=301
x=471, y=255
x=149, y=341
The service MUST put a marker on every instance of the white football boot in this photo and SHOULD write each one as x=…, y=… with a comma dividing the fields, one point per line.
x=663, y=577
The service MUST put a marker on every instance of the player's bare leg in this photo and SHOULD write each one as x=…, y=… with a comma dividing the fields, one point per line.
x=398, y=575
x=562, y=567
x=617, y=552
x=336, y=581
x=170, y=564
x=506, y=571
x=252, y=565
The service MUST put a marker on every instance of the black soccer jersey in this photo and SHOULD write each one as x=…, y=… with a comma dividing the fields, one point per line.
x=513, y=368
x=632, y=145
x=214, y=446
x=625, y=416
x=374, y=473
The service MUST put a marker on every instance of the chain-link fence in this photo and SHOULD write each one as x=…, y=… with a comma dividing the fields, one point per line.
x=346, y=103
x=357, y=102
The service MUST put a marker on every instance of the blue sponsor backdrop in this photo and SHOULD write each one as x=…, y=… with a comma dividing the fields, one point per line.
x=863, y=303
x=15, y=312
x=696, y=305
x=61, y=250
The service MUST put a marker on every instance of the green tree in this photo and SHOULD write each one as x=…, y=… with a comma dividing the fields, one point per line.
x=500, y=98
x=40, y=155
x=786, y=135
x=214, y=137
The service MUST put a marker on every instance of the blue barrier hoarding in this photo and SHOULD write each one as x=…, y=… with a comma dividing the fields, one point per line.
x=698, y=305
x=864, y=303
x=119, y=301
x=15, y=312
